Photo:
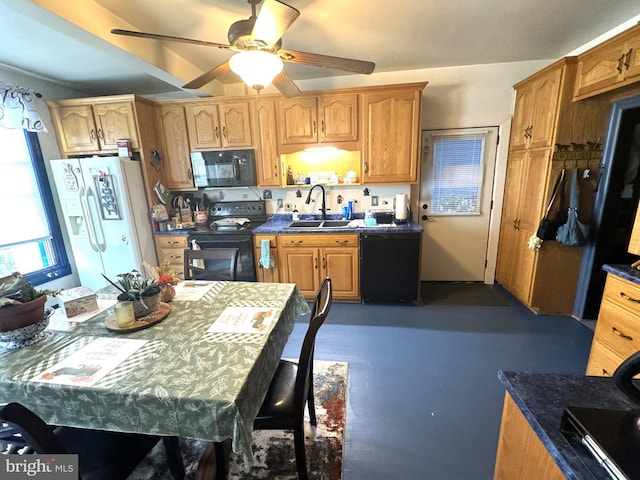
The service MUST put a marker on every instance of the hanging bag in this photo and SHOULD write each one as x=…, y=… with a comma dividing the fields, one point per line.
x=548, y=228
x=573, y=233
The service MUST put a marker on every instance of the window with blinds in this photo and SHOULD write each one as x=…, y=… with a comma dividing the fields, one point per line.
x=456, y=173
x=30, y=240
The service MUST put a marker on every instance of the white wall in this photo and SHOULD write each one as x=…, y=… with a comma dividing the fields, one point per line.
x=49, y=145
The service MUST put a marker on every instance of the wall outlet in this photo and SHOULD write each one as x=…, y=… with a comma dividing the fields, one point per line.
x=287, y=207
x=279, y=203
x=374, y=200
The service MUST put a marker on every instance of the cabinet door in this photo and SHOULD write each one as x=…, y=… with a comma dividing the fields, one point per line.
x=392, y=127
x=298, y=120
x=342, y=265
x=300, y=265
x=601, y=68
x=268, y=166
x=76, y=129
x=269, y=275
x=203, y=127
x=115, y=121
x=533, y=180
x=521, y=124
x=338, y=118
x=631, y=60
x=235, y=121
x=546, y=91
x=176, y=161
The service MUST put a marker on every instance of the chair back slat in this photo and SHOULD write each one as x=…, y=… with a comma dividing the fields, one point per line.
x=211, y=264
x=319, y=312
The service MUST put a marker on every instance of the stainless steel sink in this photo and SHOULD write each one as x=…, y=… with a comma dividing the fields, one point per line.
x=319, y=224
x=305, y=224
x=335, y=223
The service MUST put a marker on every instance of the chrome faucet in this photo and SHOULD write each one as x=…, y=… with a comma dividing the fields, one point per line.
x=323, y=208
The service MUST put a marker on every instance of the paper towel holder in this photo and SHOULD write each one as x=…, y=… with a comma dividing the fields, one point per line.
x=401, y=211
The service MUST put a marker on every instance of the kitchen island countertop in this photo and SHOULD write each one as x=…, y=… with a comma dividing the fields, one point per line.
x=542, y=399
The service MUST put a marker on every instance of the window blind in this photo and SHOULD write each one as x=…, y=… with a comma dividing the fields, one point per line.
x=457, y=174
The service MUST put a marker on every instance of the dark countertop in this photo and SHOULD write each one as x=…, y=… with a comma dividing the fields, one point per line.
x=277, y=224
x=624, y=271
x=542, y=399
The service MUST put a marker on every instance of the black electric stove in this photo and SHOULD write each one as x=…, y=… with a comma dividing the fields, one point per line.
x=231, y=224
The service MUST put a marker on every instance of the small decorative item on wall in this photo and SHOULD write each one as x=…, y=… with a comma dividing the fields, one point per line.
x=107, y=196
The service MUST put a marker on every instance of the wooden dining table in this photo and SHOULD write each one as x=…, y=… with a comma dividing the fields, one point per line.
x=202, y=372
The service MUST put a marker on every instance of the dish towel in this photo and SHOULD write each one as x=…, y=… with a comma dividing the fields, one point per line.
x=196, y=262
x=266, y=260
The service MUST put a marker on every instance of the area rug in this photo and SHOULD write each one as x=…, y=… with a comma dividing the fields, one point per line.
x=461, y=294
x=273, y=452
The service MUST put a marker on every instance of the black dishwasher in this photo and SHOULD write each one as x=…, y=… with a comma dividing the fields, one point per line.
x=389, y=267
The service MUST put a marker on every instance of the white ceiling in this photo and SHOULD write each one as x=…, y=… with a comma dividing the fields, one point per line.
x=73, y=46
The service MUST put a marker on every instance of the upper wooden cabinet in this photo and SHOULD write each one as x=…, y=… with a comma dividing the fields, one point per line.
x=391, y=126
x=611, y=64
x=219, y=125
x=325, y=119
x=535, y=113
x=176, y=160
x=268, y=167
x=86, y=126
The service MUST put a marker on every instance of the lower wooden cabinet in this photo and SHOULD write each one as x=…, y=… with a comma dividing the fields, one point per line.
x=269, y=275
x=617, y=333
x=170, y=248
x=306, y=259
x=521, y=454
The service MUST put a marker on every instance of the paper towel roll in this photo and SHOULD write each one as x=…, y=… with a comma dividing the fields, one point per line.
x=401, y=206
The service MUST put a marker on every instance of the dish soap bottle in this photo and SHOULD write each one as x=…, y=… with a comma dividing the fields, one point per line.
x=295, y=215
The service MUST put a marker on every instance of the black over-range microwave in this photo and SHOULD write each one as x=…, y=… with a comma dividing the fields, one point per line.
x=224, y=168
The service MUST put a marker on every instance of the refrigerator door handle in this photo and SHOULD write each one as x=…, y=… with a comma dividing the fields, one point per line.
x=87, y=219
x=98, y=233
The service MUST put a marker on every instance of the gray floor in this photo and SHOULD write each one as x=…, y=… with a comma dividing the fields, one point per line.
x=424, y=400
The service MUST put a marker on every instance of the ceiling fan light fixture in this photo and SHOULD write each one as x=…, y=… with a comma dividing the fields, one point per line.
x=256, y=68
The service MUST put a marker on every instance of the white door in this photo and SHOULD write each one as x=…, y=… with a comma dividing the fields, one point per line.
x=455, y=202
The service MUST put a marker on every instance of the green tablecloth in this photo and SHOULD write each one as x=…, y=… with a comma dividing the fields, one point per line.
x=183, y=381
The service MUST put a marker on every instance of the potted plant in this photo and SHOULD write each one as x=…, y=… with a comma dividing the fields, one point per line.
x=21, y=304
x=166, y=278
x=143, y=292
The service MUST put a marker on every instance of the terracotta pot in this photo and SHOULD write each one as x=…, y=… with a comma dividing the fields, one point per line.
x=168, y=292
x=22, y=314
x=139, y=309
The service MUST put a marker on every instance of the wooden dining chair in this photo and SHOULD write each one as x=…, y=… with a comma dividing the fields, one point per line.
x=292, y=385
x=102, y=455
x=215, y=264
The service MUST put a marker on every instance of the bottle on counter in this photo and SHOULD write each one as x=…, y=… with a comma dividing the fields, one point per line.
x=350, y=210
x=295, y=215
x=290, y=176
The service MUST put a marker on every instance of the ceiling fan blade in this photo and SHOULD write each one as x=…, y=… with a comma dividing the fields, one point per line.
x=208, y=76
x=285, y=85
x=156, y=36
x=273, y=20
x=327, y=61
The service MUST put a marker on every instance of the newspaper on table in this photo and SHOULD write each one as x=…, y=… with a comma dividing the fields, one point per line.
x=244, y=320
x=91, y=363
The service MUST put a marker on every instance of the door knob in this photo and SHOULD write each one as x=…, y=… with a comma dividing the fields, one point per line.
x=424, y=217
x=425, y=206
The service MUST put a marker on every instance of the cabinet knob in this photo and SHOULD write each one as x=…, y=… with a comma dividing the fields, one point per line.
x=620, y=63
x=224, y=132
x=217, y=132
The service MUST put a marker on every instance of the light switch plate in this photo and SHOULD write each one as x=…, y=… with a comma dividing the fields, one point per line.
x=374, y=200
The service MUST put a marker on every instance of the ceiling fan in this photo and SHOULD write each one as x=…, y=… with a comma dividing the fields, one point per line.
x=258, y=43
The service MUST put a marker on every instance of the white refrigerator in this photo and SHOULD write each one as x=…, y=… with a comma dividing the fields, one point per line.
x=106, y=216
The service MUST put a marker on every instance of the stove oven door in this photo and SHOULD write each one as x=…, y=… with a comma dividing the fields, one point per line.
x=246, y=267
